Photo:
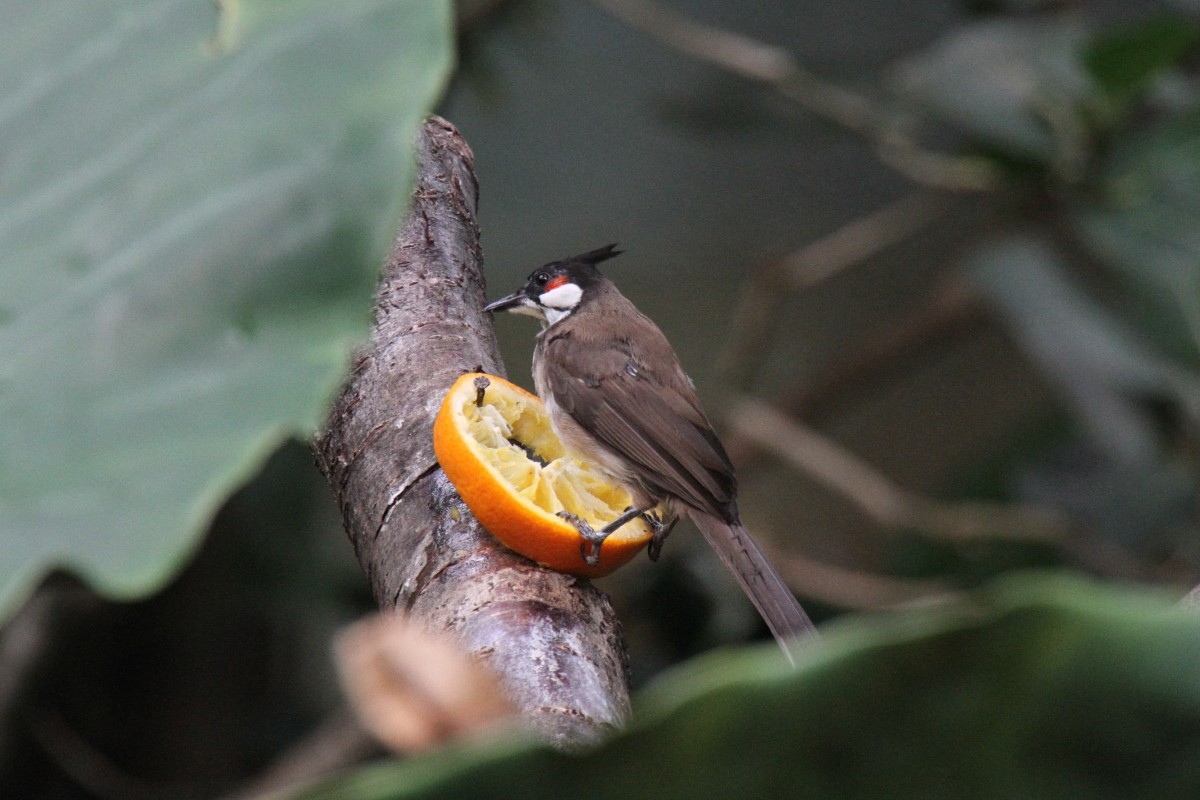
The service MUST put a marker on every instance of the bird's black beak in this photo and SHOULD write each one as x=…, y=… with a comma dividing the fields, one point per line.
x=511, y=302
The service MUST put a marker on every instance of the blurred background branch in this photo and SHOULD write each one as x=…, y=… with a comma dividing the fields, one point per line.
x=876, y=496
x=778, y=69
x=757, y=310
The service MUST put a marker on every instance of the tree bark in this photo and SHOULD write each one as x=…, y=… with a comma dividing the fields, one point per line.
x=554, y=640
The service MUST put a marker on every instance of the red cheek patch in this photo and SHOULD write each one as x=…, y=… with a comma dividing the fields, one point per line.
x=554, y=283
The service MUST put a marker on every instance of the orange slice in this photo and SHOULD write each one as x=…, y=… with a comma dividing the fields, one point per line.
x=495, y=443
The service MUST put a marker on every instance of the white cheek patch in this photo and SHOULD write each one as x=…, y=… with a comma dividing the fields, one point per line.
x=564, y=297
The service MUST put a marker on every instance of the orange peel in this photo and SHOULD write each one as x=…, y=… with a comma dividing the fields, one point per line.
x=495, y=443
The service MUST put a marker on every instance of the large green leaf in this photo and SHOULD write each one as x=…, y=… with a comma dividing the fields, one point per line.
x=195, y=198
x=1044, y=688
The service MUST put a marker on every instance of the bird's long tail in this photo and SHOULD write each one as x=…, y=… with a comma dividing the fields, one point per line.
x=758, y=579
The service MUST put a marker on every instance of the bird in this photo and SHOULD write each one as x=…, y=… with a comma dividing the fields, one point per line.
x=619, y=399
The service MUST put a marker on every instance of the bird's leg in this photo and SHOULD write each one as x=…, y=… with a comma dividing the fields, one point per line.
x=661, y=528
x=592, y=539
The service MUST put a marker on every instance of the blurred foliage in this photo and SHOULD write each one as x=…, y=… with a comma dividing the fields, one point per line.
x=1099, y=285
x=1036, y=688
x=1126, y=62
x=1017, y=86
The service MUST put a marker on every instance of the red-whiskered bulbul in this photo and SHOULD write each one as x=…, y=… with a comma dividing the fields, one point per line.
x=620, y=400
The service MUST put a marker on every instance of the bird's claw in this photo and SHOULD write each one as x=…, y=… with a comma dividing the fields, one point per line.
x=589, y=548
x=659, y=529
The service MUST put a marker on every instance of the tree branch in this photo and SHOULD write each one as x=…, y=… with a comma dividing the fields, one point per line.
x=553, y=640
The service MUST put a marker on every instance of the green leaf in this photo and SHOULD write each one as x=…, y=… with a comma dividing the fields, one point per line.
x=195, y=199
x=1038, y=688
x=1125, y=61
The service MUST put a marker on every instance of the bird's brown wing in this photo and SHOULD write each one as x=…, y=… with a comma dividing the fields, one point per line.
x=635, y=399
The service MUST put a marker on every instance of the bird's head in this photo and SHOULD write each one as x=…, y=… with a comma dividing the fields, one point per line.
x=555, y=290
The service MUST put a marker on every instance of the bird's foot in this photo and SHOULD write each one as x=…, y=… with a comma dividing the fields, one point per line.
x=592, y=538
x=660, y=529
x=589, y=548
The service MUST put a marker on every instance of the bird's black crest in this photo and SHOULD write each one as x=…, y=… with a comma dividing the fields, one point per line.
x=598, y=255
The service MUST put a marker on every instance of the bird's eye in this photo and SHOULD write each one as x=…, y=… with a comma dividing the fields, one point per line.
x=540, y=278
